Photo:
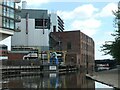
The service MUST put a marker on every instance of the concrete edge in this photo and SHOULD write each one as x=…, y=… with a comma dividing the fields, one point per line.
x=93, y=78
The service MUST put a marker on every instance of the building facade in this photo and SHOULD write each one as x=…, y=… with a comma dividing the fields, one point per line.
x=57, y=24
x=79, y=47
x=8, y=17
x=35, y=27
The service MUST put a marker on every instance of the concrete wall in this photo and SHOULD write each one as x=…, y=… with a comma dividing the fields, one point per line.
x=35, y=37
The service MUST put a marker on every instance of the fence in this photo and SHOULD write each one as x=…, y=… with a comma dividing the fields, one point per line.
x=21, y=62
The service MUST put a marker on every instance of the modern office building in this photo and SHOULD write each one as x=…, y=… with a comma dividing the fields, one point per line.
x=8, y=17
x=57, y=24
x=35, y=25
x=79, y=47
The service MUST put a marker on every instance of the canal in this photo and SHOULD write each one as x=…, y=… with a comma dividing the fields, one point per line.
x=52, y=80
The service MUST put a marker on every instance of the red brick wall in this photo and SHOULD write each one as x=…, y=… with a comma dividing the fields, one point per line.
x=72, y=37
x=15, y=56
x=82, y=47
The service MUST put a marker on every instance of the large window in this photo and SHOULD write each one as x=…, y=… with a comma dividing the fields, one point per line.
x=7, y=23
x=11, y=12
x=11, y=24
x=40, y=23
x=8, y=12
x=54, y=28
x=11, y=4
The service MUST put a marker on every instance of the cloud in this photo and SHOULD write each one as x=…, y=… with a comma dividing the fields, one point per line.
x=88, y=26
x=82, y=19
x=109, y=33
x=80, y=12
x=107, y=10
x=88, y=23
x=35, y=4
x=85, y=17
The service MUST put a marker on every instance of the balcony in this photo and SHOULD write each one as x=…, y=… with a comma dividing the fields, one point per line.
x=17, y=29
x=18, y=18
x=17, y=9
x=17, y=1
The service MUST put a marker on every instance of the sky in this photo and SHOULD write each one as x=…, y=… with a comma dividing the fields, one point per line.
x=92, y=17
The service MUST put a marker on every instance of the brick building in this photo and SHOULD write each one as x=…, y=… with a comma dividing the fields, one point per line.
x=79, y=47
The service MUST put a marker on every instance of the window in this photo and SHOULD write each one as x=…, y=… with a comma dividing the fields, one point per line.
x=11, y=13
x=7, y=23
x=68, y=45
x=54, y=28
x=40, y=23
x=11, y=24
x=4, y=2
x=11, y=4
x=4, y=22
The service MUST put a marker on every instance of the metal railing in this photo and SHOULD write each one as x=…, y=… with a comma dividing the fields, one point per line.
x=21, y=62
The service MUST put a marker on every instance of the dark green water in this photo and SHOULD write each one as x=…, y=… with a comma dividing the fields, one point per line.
x=51, y=80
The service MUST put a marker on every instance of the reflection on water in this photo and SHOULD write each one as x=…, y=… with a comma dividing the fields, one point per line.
x=102, y=86
x=52, y=80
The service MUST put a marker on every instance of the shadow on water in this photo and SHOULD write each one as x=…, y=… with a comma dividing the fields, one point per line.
x=50, y=80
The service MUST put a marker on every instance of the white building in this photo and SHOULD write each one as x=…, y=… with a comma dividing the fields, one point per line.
x=57, y=24
x=35, y=27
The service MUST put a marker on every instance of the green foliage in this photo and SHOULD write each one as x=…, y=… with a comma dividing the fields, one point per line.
x=113, y=47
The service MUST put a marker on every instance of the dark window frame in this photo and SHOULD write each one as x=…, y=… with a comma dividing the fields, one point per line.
x=41, y=23
x=69, y=46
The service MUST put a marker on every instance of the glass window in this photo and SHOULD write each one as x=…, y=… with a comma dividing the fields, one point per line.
x=40, y=23
x=4, y=11
x=54, y=28
x=4, y=2
x=11, y=24
x=8, y=3
x=11, y=4
x=8, y=12
x=11, y=13
x=7, y=23
x=4, y=22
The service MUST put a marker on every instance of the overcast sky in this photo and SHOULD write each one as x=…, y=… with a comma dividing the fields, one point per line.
x=92, y=17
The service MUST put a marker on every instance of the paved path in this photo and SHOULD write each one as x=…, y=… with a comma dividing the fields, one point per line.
x=110, y=77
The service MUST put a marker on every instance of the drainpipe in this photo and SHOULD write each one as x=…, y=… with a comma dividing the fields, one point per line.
x=27, y=17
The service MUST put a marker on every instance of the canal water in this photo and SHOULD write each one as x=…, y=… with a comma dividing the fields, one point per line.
x=52, y=80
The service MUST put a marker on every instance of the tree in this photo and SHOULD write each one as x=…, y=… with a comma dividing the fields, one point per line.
x=113, y=47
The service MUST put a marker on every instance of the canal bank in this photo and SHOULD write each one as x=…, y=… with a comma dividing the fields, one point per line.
x=109, y=77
